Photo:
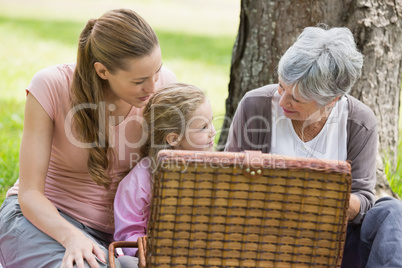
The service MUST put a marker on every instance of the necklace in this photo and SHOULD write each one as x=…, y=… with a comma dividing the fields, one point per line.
x=305, y=131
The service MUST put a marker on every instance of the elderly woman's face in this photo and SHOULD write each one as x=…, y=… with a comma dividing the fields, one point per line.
x=296, y=108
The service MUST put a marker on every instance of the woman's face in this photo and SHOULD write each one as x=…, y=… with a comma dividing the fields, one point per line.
x=200, y=132
x=136, y=85
x=296, y=108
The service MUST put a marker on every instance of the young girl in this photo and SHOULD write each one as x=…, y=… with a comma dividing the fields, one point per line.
x=177, y=117
x=74, y=150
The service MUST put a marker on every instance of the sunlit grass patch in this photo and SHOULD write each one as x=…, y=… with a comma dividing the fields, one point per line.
x=30, y=45
x=395, y=178
x=11, y=114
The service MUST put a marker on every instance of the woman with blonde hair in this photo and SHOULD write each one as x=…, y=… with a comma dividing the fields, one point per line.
x=74, y=149
x=177, y=117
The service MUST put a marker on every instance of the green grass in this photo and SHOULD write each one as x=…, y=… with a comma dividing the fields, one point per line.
x=395, y=177
x=30, y=45
x=11, y=114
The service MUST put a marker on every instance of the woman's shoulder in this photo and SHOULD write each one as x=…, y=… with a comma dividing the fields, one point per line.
x=55, y=73
x=254, y=99
x=166, y=76
x=51, y=87
x=266, y=91
x=360, y=113
x=57, y=78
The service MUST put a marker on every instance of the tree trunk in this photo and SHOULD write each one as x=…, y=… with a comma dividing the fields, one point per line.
x=268, y=28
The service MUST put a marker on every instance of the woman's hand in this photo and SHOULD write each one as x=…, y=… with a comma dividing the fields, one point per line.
x=354, y=207
x=80, y=248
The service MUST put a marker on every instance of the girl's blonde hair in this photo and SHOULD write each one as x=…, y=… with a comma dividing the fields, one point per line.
x=168, y=111
x=113, y=39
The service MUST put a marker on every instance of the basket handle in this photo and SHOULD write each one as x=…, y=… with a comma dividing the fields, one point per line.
x=119, y=244
x=142, y=251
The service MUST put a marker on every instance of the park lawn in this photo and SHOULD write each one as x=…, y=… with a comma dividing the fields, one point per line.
x=395, y=176
x=11, y=114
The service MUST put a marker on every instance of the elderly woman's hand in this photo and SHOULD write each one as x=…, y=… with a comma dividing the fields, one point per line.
x=354, y=207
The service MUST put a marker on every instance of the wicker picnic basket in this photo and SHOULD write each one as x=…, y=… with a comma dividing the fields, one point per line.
x=216, y=209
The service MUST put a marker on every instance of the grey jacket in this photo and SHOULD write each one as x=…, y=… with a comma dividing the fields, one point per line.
x=251, y=130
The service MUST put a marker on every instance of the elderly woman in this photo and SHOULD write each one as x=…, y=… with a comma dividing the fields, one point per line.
x=310, y=114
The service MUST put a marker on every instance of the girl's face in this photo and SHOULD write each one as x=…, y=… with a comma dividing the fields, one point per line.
x=200, y=132
x=296, y=108
x=136, y=85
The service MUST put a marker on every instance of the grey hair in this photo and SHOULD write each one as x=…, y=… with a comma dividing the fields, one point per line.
x=322, y=64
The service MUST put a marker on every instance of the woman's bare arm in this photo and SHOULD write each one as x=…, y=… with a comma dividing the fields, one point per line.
x=34, y=161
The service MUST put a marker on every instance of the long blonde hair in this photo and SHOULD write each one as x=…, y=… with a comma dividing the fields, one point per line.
x=168, y=111
x=113, y=39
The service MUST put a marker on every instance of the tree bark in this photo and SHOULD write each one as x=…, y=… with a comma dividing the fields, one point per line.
x=268, y=28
